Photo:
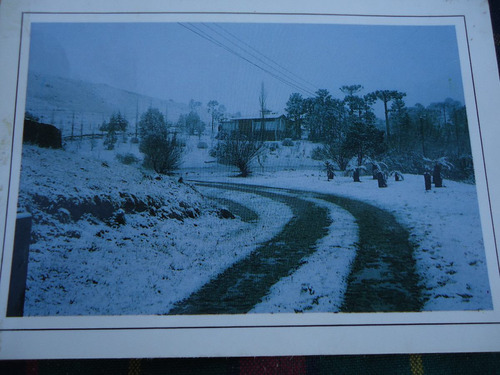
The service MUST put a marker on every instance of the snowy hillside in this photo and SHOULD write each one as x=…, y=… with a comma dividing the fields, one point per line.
x=55, y=100
x=110, y=239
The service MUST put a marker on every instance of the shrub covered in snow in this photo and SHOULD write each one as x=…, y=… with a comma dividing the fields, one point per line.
x=239, y=150
x=463, y=169
x=162, y=151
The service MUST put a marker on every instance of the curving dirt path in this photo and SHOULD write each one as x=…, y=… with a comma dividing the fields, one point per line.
x=382, y=278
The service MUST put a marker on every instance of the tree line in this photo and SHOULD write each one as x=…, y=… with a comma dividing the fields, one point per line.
x=406, y=139
x=347, y=131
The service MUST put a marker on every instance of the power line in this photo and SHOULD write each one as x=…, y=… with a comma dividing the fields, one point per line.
x=278, y=68
x=211, y=39
x=267, y=58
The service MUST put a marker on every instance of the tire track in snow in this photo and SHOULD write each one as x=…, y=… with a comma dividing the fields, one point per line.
x=240, y=287
x=382, y=279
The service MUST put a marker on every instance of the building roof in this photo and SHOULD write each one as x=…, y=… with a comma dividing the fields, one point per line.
x=272, y=116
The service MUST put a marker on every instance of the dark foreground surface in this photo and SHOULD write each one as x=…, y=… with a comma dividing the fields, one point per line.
x=438, y=364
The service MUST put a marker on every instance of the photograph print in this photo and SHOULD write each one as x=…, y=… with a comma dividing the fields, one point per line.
x=177, y=168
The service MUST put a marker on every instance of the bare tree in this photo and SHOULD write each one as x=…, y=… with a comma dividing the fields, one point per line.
x=262, y=107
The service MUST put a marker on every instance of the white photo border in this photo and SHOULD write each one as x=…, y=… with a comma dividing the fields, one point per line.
x=256, y=334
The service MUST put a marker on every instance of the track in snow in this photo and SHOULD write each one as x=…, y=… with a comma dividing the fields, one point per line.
x=382, y=278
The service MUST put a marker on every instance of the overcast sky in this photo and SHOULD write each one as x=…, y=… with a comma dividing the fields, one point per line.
x=228, y=62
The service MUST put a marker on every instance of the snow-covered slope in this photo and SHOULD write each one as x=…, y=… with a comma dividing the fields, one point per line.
x=56, y=100
x=113, y=239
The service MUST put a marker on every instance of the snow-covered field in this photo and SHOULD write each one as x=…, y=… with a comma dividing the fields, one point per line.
x=83, y=264
x=444, y=225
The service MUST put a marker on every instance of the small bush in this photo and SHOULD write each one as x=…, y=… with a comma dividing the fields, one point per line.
x=127, y=158
x=162, y=153
x=318, y=153
x=463, y=169
x=410, y=162
x=287, y=142
x=134, y=140
x=221, y=135
x=239, y=151
x=110, y=140
x=202, y=145
x=273, y=146
x=213, y=152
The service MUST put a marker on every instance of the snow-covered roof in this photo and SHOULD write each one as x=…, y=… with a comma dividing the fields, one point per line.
x=271, y=116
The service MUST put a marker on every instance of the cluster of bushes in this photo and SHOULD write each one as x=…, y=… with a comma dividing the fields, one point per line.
x=459, y=168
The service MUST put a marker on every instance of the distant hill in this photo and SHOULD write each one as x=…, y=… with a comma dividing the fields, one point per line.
x=57, y=101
